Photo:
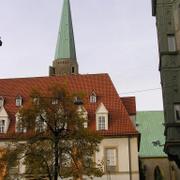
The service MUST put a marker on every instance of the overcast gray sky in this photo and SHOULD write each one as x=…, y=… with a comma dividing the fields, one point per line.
x=113, y=36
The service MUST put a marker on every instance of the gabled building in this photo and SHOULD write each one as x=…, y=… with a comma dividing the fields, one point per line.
x=167, y=13
x=106, y=112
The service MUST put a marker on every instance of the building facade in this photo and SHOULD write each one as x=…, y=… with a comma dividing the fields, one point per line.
x=107, y=113
x=167, y=13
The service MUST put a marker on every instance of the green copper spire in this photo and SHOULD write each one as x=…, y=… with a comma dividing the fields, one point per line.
x=65, y=48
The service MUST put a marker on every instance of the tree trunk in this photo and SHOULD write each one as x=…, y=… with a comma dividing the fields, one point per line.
x=56, y=157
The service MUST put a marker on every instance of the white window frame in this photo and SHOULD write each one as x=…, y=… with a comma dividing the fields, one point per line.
x=54, y=101
x=177, y=112
x=111, y=158
x=19, y=101
x=101, y=122
x=85, y=124
x=93, y=97
x=20, y=128
x=2, y=126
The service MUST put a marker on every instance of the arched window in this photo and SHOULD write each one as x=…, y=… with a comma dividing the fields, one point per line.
x=158, y=174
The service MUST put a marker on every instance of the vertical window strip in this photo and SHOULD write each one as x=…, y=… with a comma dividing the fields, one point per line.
x=171, y=42
x=177, y=112
x=2, y=126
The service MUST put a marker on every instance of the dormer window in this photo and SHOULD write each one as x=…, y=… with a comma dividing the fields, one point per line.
x=78, y=101
x=1, y=101
x=19, y=101
x=101, y=117
x=2, y=126
x=93, y=97
x=4, y=120
x=54, y=101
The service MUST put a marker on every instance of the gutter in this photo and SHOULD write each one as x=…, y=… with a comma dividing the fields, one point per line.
x=130, y=159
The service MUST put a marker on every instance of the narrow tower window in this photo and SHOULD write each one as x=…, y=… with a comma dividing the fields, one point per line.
x=177, y=112
x=171, y=43
x=73, y=70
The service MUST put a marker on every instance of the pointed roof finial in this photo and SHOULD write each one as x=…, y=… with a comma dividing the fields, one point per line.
x=65, y=47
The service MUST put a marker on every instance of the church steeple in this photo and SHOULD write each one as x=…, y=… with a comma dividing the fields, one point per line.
x=65, y=55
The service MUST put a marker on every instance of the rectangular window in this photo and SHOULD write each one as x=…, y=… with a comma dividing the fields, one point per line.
x=73, y=69
x=18, y=102
x=2, y=126
x=92, y=99
x=171, y=42
x=20, y=128
x=177, y=112
x=101, y=122
x=111, y=159
x=54, y=101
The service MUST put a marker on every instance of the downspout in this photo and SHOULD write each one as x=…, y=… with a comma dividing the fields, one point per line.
x=130, y=169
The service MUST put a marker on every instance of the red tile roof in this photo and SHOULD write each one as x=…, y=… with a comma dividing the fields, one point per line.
x=119, y=121
x=130, y=104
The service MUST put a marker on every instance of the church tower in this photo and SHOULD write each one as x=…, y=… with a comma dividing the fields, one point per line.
x=65, y=62
x=167, y=13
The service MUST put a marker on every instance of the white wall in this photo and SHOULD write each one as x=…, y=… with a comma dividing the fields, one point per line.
x=124, y=146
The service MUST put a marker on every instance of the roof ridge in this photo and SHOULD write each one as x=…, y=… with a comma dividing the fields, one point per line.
x=36, y=77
